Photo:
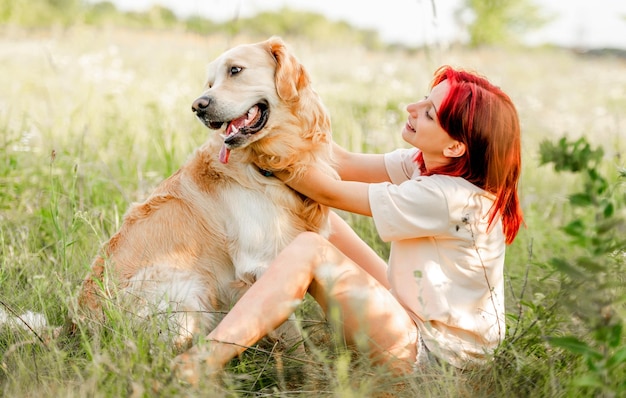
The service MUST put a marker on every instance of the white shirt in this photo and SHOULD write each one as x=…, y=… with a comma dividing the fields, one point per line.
x=445, y=266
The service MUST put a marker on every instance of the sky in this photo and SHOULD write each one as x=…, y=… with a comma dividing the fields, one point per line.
x=576, y=23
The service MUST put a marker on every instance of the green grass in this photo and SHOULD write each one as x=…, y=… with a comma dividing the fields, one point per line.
x=92, y=119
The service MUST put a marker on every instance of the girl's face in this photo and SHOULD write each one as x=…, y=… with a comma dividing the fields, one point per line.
x=423, y=130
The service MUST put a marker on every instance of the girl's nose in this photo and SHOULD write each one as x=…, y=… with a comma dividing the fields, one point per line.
x=412, y=108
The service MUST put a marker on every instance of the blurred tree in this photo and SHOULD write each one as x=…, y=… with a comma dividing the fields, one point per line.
x=284, y=22
x=201, y=25
x=161, y=17
x=34, y=13
x=292, y=23
x=499, y=22
x=100, y=13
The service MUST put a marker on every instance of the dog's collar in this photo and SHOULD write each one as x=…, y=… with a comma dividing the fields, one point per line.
x=265, y=173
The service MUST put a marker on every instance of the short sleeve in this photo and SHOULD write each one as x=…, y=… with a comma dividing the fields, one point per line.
x=414, y=209
x=401, y=165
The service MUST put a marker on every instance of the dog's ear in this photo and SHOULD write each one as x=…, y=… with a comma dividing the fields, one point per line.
x=290, y=75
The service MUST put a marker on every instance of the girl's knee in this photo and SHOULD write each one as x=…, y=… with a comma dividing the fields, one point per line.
x=307, y=242
x=310, y=249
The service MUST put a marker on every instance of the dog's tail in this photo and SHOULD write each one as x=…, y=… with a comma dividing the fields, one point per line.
x=34, y=322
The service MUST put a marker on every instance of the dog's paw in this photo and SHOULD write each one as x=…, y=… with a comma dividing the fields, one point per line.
x=193, y=365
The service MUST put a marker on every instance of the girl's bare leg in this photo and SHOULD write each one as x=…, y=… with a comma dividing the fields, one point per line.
x=309, y=263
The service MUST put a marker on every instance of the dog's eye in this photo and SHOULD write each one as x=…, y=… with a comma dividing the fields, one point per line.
x=235, y=69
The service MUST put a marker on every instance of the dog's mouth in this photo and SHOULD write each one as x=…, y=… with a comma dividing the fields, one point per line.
x=238, y=131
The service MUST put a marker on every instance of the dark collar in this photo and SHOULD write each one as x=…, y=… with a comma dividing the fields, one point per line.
x=266, y=173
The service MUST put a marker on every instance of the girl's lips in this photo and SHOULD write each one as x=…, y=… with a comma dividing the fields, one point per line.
x=409, y=127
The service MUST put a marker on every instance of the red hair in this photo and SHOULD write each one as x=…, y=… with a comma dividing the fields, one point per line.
x=483, y=117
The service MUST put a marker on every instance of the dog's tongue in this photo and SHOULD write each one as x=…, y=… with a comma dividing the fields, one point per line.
x=224, y=154
x=233, y=128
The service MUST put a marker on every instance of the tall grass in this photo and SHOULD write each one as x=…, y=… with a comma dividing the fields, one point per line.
x=92, y=119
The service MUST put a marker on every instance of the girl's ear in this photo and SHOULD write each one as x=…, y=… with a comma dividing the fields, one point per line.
x=455, y=150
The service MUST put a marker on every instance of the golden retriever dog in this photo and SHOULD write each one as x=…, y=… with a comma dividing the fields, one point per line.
x=206, y=233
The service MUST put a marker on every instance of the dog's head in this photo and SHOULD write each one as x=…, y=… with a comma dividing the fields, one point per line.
x=259, y=93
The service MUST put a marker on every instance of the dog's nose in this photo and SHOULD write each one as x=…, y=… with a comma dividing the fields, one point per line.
x=200, y=104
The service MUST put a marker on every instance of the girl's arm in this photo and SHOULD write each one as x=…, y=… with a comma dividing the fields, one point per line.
x=345, y=239
x=364, y=167
x=350, y=196
x=350, y=193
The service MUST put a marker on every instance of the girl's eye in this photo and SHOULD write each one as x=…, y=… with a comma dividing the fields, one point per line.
x=235, y=69
x=428, y=114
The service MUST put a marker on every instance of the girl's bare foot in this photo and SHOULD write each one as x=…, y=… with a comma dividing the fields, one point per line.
x=195, y=364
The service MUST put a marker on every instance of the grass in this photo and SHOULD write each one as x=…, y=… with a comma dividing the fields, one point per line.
x=92, y=119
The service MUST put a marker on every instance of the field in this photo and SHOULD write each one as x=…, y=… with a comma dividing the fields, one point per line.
x=92, y=119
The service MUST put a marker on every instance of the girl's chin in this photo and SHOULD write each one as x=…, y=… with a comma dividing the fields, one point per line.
x=408, y=135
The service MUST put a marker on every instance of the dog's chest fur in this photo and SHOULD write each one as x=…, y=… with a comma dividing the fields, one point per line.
x=259, y=213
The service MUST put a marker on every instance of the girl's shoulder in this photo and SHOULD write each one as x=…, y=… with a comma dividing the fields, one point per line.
x=455, y=186
x=463, y=199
